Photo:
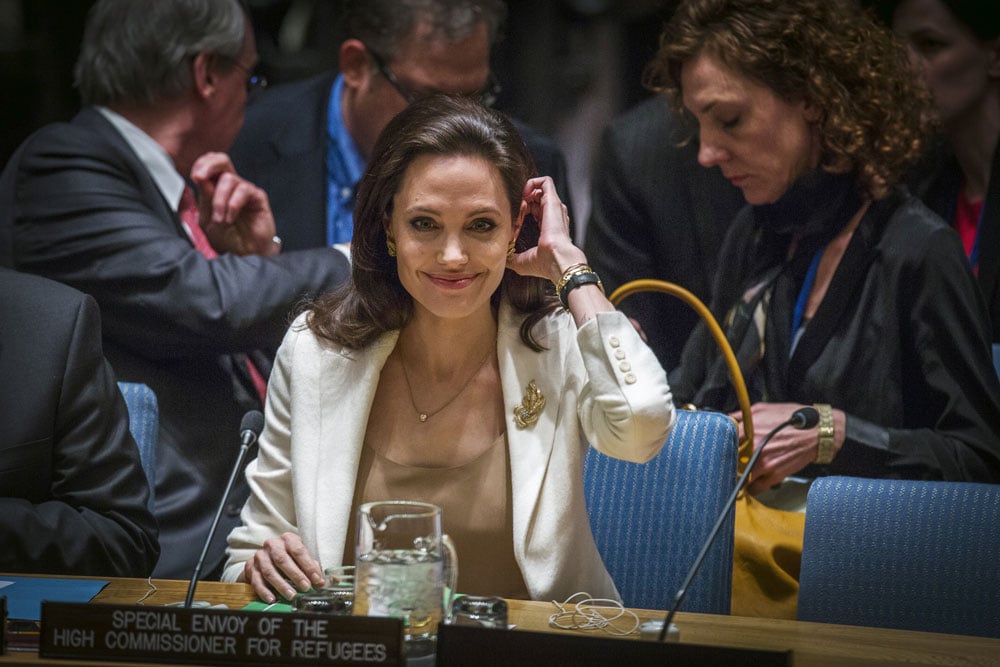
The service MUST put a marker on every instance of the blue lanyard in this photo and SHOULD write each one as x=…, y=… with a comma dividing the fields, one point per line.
x=807, y=285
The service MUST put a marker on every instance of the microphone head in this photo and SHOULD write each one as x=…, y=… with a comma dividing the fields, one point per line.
x=253, y=421
x=805, y=417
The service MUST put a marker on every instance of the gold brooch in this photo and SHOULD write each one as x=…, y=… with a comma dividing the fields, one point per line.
x=531, y=406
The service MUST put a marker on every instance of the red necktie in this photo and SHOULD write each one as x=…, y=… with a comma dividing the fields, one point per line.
x=188, y=212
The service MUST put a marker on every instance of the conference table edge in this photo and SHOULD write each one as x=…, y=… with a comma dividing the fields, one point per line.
x=811, y=643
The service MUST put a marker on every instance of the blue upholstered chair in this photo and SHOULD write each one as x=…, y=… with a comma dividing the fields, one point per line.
x=144, y=420
x=650, y=520
x=902, y=554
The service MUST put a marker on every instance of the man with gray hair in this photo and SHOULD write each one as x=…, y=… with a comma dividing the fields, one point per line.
x=193, y=290
x=306, y=143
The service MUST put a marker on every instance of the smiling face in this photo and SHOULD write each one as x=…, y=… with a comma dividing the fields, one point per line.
x=761, y=143
x=958, y=68
x=451, y=220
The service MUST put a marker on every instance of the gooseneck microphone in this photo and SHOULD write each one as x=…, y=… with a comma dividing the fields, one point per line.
x=803, y=418
x=250, y=427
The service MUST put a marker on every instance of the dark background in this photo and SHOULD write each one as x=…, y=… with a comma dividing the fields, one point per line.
x=567, y=66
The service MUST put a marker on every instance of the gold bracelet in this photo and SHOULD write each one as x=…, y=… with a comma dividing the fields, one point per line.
x=571, y=271
x=824, y=438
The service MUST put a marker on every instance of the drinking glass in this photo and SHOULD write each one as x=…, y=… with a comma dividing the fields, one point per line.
x=479, y=610
x=336, y=596
x=405, y=568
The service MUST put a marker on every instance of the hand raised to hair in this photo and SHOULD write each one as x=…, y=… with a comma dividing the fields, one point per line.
x=555, y=250
x=235, y=213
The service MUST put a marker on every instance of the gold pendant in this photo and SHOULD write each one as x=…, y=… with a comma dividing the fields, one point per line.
x=531, y=406
x=422, y=417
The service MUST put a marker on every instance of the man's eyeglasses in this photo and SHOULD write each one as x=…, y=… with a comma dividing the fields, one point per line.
x=487, y=96
x=255, y=82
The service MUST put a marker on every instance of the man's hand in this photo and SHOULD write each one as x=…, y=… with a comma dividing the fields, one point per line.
x=235, y=213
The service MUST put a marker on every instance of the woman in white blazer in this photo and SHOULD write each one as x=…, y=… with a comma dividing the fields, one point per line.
x=449, y=365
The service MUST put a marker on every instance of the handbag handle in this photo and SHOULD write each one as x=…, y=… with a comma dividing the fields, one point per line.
x=742, y=396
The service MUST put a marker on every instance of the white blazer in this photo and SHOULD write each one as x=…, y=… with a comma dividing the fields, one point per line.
x=601, y=383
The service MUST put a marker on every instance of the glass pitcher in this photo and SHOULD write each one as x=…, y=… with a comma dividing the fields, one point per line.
x=405, y=567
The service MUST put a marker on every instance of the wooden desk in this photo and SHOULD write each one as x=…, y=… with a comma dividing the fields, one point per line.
x=812, y=643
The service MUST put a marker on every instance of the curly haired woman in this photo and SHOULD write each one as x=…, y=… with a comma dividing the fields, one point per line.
x=840, y=288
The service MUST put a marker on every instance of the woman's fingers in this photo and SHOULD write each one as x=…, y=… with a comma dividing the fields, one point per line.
x=279, y=564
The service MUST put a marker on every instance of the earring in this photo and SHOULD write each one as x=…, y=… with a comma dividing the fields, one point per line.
x=390, y=244
x=510, y=251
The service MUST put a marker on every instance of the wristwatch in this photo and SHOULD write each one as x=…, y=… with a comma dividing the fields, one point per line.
x=824, y=441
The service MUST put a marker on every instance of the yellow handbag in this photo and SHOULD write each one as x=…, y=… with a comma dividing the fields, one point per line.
x=768, y=541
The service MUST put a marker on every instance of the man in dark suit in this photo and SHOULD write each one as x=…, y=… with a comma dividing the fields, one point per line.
x=189, y=297
x=657, y=213
x=72, y=492
x=306, y=143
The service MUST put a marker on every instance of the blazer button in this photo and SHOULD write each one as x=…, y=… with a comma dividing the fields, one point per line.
x=625, y=366
x=614, y=342
x=619, y=354
x=630, y=378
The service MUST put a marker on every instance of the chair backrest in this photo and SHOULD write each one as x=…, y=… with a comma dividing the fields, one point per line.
x=650, y=520
x=902, y=554
x=144, y=420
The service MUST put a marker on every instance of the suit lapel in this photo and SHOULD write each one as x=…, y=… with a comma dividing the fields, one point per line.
x=531, y=447
x=347, y=381
x=850, y=273
x=163, y=210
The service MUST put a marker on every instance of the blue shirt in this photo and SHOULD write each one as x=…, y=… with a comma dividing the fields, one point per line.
x=344, y=166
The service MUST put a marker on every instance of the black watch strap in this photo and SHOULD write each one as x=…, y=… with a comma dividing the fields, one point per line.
x=576, y=280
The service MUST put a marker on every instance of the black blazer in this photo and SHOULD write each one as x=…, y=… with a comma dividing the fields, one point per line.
x=77, y=205
x=936, y=180
x=72, y=492
x=657, y=213
x=282, y=148
x=898, y=343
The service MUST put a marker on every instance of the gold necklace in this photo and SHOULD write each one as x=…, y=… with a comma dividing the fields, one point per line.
x=424, y=416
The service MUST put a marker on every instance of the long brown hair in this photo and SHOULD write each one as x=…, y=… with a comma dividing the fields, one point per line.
x=874, y=116
x=374, y=301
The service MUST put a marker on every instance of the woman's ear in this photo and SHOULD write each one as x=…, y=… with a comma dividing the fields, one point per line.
x=519, y=221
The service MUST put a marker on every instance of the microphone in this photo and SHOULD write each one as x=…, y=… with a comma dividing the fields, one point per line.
x=803, y=418
x=250, y=427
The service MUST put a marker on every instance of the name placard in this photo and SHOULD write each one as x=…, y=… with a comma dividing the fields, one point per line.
x=216, y=636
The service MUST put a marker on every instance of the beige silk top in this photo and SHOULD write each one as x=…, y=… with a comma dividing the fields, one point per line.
x=475, y=500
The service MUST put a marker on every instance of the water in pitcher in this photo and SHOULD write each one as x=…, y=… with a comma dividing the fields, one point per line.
x=402, y=583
